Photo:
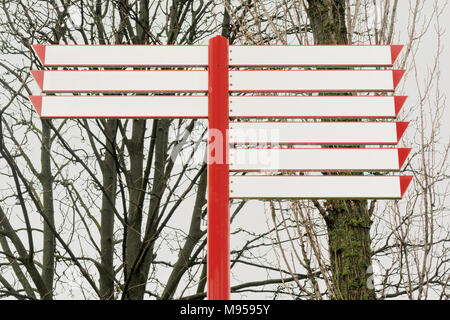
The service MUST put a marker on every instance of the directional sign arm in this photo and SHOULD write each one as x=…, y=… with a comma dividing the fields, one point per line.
x=121, y=81
x=315, y=80
x=382, y=133
x=316, y=106
x=112, y=106
x=317, y=159
x=318, y=187
x=315, y=55
x=121, y=55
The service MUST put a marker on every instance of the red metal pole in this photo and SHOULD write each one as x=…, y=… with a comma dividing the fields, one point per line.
x=218, y=277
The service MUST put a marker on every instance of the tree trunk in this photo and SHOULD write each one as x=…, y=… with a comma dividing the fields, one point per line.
x=134, y=235
x=348, y=226
x=348, y=222
x=327, y=20
x=137, y=277
x=46, y=179
x=109, y=172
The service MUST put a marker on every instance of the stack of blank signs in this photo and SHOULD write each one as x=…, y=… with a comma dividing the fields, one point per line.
x=319, y=130
x=103, y=77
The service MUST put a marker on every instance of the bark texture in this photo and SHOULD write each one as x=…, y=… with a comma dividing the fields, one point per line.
x=109, y=173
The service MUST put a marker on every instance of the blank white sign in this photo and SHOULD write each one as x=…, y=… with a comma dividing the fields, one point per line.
x=124, y=81
x=124, y=107
x=313, y=55
x=122, y=55
x=315, y=187
x=312, y=80
x=312, y=106
x=314, y=132
x=360, y=159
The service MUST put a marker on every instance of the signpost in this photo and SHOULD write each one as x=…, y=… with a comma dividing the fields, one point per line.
x=317, y=168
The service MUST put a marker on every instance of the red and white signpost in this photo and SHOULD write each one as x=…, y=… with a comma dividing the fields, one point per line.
x=279, y=139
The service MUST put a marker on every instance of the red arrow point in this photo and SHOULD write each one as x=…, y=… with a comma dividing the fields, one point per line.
x=395, y=52
x=39, y=49
x=401, y=128
x=402, y=155
x=37, y=103
x=399, y=102
x=38, y=75
x=397, y=75
x=404, y=183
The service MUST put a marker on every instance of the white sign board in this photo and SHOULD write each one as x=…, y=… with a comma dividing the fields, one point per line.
x=121, y=81
x=315, y=80
x=388, y=133
x=318, y=187
x=315, y=106
x=121, y=55
x=121, y=106
x=317, y=159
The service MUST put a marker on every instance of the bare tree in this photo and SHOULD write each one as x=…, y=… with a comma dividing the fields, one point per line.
x=369, y=250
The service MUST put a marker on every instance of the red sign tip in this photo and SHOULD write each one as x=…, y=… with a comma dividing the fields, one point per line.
x=402, y=156
x=401, y=128
x=395, y=52
x=399, y=102
x=404, y=183
x=37, y=103
x=39, y=49
x=397, y=75
x=38, y=75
